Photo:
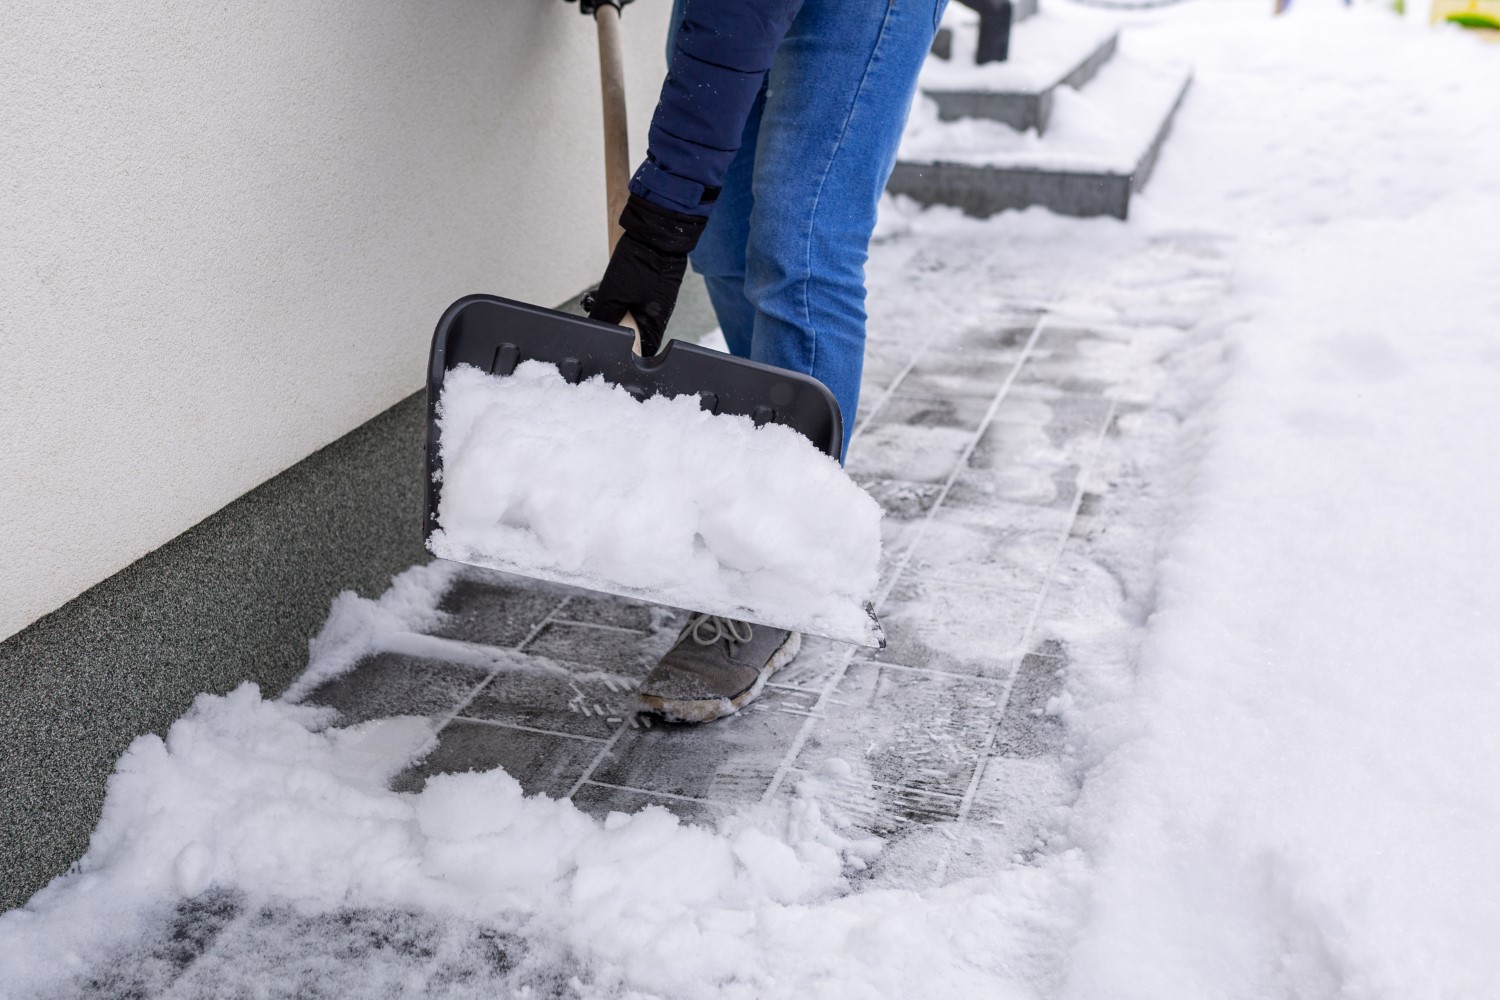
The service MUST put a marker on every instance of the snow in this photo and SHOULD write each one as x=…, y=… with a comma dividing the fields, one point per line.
x=1043, y=50
x=249, y=792
x=1109, y=125
x=1280, y=694
x=657, y=500
x=1312, y=808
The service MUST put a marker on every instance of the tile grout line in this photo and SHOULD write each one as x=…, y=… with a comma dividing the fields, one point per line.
x=527, y=729
x=885, y=397
x=432, y=741
x=1036, y=611
x=587, y=776
x=647, y=791
x=832, y=683
x=601, y=626
x=930, y=517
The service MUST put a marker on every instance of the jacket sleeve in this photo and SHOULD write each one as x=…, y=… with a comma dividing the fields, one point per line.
x=719, y=61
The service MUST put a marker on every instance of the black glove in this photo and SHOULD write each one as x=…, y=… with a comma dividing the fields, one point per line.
x=589, y=6
x=646, y=270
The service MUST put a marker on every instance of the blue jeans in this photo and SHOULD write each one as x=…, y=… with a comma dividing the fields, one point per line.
x=784, y=252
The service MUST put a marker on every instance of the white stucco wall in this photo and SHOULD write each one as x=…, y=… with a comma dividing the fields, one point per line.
x=227, y=230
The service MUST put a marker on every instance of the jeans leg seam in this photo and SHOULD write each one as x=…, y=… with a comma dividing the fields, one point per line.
x=812, y=215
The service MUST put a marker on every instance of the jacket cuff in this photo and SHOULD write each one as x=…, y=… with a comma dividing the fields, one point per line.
x=661, y=229
x=671, y=190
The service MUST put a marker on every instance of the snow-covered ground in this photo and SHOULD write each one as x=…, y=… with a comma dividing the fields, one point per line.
x=1278, y=773
x=1311, y=805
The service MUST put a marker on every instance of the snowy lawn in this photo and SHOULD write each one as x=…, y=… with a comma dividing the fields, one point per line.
x=1281, y=687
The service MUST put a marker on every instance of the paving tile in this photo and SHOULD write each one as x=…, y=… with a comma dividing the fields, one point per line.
x=1005, y=444
x=1000, y=336
x=884, y=361
x=1030, y=726
x=619, y=612
x=906, y=506
x=283, y=950
x=964, y=413
x=906, y=452
x=615, y=651
x=1085, y=589
x=1025, y=800
x=944, y=374
x=955, y=627
x=731, y=760
x=900, y=500
x=544, y=763
x=1010, y=546
x=817, y=661
x=882, y=810
x=905, y=729
x=169, y=947
x=1079, y=360
x=1035, y=452
x=600, y=800
x=579, y=702
x=1053, y=488
x=1042, y=430
x=495, y=609
x=388, y=684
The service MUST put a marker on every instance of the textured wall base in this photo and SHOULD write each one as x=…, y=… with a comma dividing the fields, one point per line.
x=236, y=597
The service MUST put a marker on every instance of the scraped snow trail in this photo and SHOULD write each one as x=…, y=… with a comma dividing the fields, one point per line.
x=1188, y=580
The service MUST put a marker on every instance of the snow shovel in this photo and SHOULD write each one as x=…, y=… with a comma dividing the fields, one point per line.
x=495, y=335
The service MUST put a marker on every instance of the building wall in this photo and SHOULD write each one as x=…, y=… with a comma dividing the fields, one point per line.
x=226, y=232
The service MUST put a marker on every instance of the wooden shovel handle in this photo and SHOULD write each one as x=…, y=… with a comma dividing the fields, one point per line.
x=616, y=125
x=616, y=132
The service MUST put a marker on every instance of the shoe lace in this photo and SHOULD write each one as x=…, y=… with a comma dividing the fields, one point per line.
x=722, y=628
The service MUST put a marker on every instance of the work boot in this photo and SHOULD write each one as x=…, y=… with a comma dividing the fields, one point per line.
x=717, y=667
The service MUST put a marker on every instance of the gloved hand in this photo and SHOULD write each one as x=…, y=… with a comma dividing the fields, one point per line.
x=589, y=6
x=645, y=272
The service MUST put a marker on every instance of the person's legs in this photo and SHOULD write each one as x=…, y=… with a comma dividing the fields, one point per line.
x=783, y=256
x=838, y=96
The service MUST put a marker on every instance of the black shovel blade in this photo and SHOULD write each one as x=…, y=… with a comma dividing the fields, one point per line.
x=495, y=334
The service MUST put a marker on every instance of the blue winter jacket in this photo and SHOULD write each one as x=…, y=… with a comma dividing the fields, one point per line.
x=719, y=61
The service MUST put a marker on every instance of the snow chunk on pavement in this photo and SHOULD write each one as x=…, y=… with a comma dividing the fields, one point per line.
x=657, y=500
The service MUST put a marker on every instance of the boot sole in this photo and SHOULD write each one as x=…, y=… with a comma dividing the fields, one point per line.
x=675, y=710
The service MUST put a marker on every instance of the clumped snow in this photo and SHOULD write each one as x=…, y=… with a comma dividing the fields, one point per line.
x=657, y=500
x=253, y=793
